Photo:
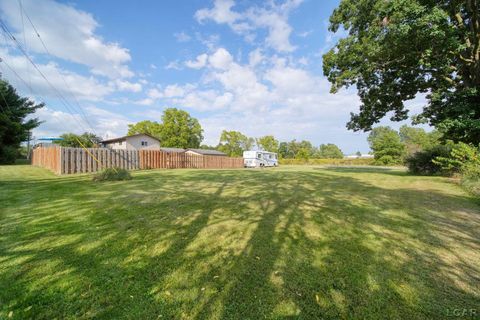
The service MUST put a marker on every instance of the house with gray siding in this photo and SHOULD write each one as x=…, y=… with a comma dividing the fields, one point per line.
x=134, y=142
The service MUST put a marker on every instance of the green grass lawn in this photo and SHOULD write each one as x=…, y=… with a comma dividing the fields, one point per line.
x=286, y=243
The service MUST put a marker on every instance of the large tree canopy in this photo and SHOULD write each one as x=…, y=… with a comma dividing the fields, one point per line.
x=233, y=143
x=417, y=139
x=396, y=49
x=151, y=128
x=294, y=149
x=13, y=126
x=267, y=143
x=329, y=151
x=177, y=129
x=180, y=130
x=386, y=145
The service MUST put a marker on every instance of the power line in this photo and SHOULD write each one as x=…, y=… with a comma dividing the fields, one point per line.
x=20, y=6
x=64, y=101
x=61, y=75
x=15, y=73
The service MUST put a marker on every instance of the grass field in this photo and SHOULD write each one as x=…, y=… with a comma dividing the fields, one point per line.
x=286, y=243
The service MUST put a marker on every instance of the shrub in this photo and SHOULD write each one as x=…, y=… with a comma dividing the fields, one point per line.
x=472, y=183
x=461, y=157
x=464, y=159
x=423, y=162
x=385, y=160
x=112, y=174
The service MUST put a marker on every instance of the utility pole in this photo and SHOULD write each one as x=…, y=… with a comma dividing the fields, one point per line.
x=28, y=144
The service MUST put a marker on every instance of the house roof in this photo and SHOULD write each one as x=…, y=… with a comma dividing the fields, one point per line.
x=125, y=138
x=208, y=152
x=172, y=149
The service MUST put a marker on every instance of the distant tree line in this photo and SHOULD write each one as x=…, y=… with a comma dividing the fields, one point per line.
x=234, y=143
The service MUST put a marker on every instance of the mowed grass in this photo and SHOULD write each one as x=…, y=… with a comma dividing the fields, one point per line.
x=286, y=243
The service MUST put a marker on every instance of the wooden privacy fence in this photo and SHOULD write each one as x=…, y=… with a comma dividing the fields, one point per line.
x=47, y=158
x=77, y=160
x=155, y=159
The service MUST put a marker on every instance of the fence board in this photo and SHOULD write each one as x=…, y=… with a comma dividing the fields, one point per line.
x=156, y=159
x=77, y=160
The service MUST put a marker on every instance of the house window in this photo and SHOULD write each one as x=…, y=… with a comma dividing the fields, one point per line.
x=120, y=143
x=144, y=143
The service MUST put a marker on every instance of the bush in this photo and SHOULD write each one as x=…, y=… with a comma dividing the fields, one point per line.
x=464, y=159
x=112, y=174
x=461, y=157
x=386, y=160
x=472, y=183
x=423, y=162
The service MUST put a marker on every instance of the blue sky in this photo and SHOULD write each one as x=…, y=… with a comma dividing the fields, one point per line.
x=252, y=66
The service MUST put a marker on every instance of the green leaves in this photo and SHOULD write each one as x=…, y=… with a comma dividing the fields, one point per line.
x=72, y=140
x=399, y=48
x=329, y=151
x=180, y=130
x=177, y=129
x=386, y=145
x=151, y=128
x=267, y=143
x=13, y=126
x=233, y=143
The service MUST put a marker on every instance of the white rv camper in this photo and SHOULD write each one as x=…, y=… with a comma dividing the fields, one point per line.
x=253, y=159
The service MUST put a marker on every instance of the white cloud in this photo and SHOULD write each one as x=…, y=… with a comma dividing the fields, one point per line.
x=221, y=59
x=277, y=24
x=69, y=34
x=305, y=34
x=124, y=85
x=220, y=13
x=66, y=82
x=210, y=41
x=175, y=65
x=204, y=100
x=255, y=57
x=303, y=61
x=182, y=37
x=145, y=102
x=198, y=63
x=273, y=17
x=174, y=91
x=279, y=98
x=103, y=123
x=154, y=93
x=108, y=123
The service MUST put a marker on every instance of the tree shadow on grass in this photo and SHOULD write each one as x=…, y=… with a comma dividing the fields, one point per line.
x=395, y=171
x=238, y=245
